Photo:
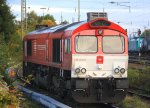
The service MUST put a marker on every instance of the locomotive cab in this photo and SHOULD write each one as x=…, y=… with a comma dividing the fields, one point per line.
x=99, y=63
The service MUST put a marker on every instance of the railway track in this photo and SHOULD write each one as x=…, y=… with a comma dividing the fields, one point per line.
x=139, y=60
x=69, y=103
x=42, y=97
x=135, y=92
x=95, y=106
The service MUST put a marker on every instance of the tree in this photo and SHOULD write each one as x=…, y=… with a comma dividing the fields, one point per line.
x=7, y=26
x=48, y=22
x=10, y=43
x=47, y=17
x=146, y=33
x=32, y=20
x=50, y=17
x=65, y=22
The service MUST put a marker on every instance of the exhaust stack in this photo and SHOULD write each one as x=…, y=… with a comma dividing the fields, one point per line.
x=94, y=15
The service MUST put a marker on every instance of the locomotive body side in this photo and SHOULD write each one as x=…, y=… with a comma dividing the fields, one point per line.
x=87, y=59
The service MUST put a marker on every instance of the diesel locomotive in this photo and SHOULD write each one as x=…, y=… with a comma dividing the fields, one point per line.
x=87, y=60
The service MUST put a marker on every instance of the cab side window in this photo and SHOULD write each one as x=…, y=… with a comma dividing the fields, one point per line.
x=67, y=46
x=29, y=48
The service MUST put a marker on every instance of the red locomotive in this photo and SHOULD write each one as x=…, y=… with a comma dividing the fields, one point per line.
x=87, y=59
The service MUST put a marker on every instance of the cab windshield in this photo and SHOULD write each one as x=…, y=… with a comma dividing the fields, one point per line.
x=86, y=44
x=113, y=44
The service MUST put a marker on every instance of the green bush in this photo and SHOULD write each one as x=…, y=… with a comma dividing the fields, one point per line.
x=7, y=97
x=10, y=54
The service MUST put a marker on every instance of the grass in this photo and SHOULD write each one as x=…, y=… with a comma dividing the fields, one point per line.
x=133, y=76
x=139, y=78
x=133, y=102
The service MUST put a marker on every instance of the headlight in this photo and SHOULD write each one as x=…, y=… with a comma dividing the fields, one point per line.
x=122, y=70
x=116, y=70
x=77, y=70
x=83, y=70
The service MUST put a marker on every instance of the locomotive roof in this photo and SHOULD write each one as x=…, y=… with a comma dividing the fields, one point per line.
x=98, y=23
x=58, y=28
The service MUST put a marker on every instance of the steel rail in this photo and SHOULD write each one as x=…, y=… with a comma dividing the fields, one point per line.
x=42, y=99
x=130, y=92
x=139, y=60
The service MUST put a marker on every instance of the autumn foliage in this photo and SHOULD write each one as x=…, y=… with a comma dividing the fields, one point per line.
x=48, y=22
x=33, y=19
x=11, y=48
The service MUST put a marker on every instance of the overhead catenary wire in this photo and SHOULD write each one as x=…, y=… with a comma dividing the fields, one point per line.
x=137, y=7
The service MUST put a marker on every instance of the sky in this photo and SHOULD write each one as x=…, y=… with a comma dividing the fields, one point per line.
x=138, y=18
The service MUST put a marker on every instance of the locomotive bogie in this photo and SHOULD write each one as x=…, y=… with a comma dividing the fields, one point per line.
x=83, y=90
x=99, y=90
